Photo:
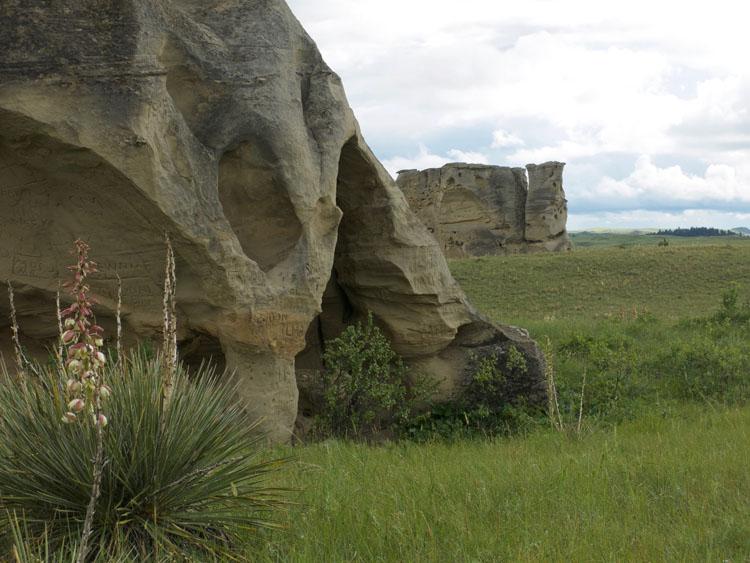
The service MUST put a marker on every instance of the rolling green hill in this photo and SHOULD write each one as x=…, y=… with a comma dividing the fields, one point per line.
x=645, y=237
x=587, y=284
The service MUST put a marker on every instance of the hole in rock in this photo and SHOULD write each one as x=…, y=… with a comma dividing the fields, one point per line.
x=337, y=313
x=357, y=195
x=202, y=348
x=256, y=204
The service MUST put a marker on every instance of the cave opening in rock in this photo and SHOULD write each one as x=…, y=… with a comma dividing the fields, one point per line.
x=202, y=350
x=340, y=305
x=336, y=313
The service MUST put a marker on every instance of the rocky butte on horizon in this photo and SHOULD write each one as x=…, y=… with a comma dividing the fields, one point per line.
x=485, y=210
x=219, y=123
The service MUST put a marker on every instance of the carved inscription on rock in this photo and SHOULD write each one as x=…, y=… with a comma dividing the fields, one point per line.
x=284, y=332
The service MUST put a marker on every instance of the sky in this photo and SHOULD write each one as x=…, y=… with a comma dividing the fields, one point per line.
x=648, y=102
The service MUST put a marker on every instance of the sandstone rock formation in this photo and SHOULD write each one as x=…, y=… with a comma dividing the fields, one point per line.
x=216, y=121
x=546, y=207
x=480, y=210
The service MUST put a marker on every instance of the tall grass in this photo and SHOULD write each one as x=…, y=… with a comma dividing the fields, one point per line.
x=658, y=489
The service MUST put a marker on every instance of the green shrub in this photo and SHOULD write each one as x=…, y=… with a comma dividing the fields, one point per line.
x=365, y=386
x=484, y=407
x=488, y=405
x=613, y=371
x=181, y=481
x=732, y=309
x=704, y=369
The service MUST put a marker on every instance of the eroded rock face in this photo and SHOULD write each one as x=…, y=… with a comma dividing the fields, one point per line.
x=546, y=207
x=216, y=121
x=481, y=210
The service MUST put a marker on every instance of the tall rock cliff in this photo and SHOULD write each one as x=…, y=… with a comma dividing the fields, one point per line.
x=481, y=210
x=218, y=122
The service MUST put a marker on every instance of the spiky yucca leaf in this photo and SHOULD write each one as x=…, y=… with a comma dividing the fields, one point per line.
x=186, y=480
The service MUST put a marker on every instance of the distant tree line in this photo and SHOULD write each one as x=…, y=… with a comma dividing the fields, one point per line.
x=695, y=232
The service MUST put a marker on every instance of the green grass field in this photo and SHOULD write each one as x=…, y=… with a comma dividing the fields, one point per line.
x=659, y=472
x=659, y=489
x=674, y=282
x=588, y=239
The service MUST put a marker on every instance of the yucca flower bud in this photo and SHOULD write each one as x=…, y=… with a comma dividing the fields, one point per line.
x=68, y=336
x=105, y=392
x=77, y=405
x=99, y=342
x=102, y=420
x=100, y=358
x=69, y=417
x=74, y=366
x=73, y=386
x=70, y=322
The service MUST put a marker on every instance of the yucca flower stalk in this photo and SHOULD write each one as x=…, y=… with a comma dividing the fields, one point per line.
x=14, y=331
x=169, y=347
x=84, y=363
x=82, y=342
x=22, y=362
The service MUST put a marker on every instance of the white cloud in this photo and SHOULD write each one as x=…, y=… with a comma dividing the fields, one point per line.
x=649, y=186
x=539, y=80
x=472, y=157
x=502, y=139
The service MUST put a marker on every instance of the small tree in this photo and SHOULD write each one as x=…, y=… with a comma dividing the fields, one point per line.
x=365, y=384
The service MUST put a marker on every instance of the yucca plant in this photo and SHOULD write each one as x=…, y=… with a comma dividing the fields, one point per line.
x=37, y=550
x=182, y=479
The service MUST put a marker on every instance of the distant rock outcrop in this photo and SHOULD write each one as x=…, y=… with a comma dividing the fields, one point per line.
x=480, y=210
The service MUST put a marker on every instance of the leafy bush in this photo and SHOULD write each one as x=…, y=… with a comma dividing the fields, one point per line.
x=484, y=406
x=708, y=370
x=181, y=480
x=365, y=386
x=732, y=309
x=612, y=366
x=485, y=399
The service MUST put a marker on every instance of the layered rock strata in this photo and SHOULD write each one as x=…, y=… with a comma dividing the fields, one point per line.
x=218, y=122
x=481, y=210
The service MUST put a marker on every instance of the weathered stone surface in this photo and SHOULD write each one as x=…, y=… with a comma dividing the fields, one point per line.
x=481, y=210
x=216, y=121
x=546, y=207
